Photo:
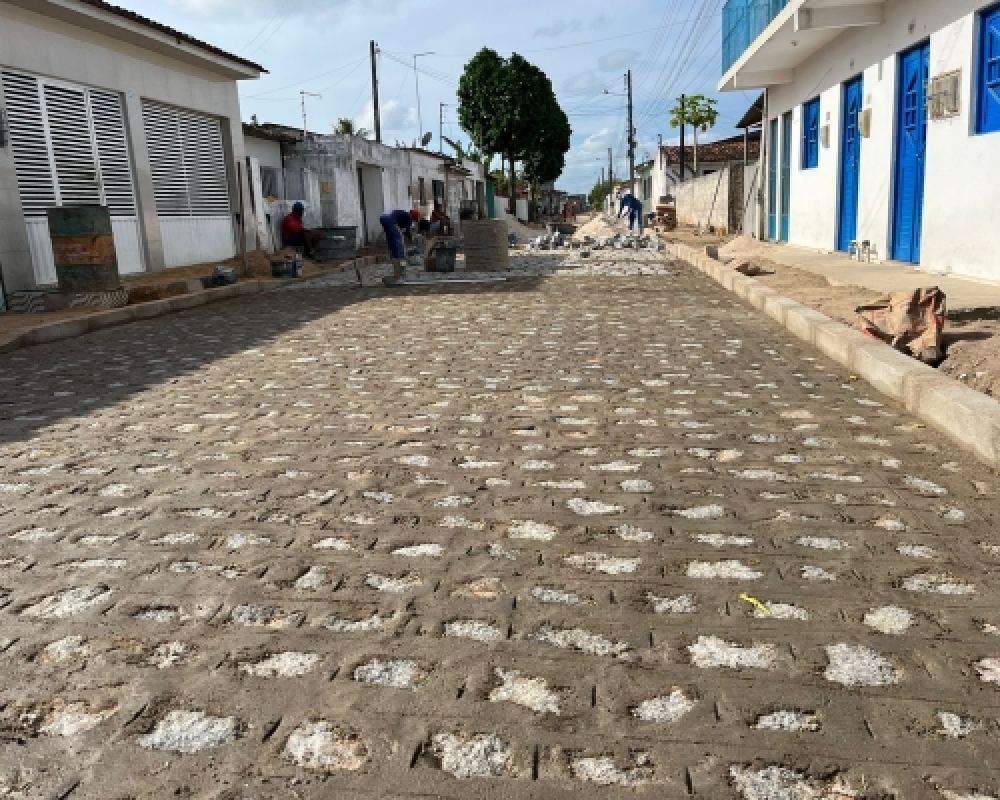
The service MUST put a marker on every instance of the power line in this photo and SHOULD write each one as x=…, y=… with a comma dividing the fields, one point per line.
x=260, y=32
x=268, y=38
x=304, y=81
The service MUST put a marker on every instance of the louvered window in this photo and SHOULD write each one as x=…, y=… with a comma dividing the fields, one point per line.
x=29, y=142
x=70, y=146
x=113, y=153
x=187, y=160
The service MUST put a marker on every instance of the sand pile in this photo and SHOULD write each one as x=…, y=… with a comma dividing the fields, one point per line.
x=601, y=227
x=523, y=232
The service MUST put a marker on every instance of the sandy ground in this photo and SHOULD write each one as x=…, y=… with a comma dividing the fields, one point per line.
x=599, y=531
x=972, y=339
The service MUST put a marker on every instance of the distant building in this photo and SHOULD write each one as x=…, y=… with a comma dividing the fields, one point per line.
x=105, y=107
x=712, y=157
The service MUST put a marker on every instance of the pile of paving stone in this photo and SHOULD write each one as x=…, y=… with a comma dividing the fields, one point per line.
x=620, y=241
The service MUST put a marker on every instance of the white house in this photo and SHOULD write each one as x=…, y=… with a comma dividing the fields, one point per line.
x=99, y=105
x=351, y=181
x=713, y=157
x=882, y=124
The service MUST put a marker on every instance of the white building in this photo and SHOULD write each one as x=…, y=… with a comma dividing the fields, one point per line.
x=349, y=181
x=882, y=124
x=103, y=107
x=713, y=157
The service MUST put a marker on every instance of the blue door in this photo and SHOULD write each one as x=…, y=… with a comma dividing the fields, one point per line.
x=786, y=174
x=850, y=164
x=911, y=147
x=772, y=183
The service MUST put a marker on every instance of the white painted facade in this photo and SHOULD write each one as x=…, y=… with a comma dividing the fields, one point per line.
x=84, y=49
x=359, y=180
x=961, y=208
x=266, y=151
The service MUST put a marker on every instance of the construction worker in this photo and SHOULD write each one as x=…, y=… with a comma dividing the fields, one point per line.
x=397, y=225
x=630, y=203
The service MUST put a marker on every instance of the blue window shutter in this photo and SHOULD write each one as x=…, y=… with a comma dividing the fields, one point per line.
x=810, y=134
x=988, y=92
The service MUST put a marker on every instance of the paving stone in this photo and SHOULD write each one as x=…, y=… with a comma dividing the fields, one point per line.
x=599, y=529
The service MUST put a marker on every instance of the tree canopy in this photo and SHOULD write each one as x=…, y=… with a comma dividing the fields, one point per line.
x=345, y=126
x=507, y=106
x=699, y=112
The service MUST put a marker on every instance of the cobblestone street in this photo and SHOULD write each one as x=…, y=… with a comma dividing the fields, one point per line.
x=586, y=533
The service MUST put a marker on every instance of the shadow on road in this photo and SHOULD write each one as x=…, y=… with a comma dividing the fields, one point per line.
x=66, y=381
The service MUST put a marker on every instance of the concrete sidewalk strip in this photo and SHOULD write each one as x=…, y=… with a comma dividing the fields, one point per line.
x=67, y=329
x=970, y=418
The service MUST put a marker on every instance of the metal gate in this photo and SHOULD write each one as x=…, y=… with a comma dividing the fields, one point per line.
x=190, y=183
x=70, y=148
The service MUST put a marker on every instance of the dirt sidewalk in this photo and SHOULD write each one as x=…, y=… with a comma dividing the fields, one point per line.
x=972, y=337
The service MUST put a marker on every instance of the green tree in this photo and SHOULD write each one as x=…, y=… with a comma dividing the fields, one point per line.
x=697, y=111
x=345, y=127
x=598, y=194
x=508, y=107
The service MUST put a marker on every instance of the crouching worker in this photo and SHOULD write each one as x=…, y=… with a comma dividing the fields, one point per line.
x=630, y=204
x=397, y=225
x=295, y=234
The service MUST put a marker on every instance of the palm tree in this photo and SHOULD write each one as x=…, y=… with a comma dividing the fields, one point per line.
x=345, y=127
x=697, y=111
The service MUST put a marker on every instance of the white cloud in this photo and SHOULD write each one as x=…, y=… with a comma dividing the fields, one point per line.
x=557, y=29
x=395, y=118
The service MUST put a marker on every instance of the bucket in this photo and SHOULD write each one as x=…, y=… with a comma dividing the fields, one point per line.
x=282, y=268
x=445, y=254
x=83, y=247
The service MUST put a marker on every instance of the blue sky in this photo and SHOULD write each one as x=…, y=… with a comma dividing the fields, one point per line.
x=672, y=46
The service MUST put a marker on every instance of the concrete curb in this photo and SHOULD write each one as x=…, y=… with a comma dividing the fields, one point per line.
x=70, y=328
x=969, y=418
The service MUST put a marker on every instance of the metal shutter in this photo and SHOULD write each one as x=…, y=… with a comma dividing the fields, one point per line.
x=188, y=163
x=30, y=143
x=113, y=153
x=72, y=146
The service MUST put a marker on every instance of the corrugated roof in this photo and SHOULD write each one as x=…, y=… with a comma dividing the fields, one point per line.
x=180, y=36
x=714, y=152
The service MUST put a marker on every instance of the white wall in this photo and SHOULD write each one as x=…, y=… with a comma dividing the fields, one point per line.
x=37, y=44
x=265, y=150
x=704, y=201
x=961, y=221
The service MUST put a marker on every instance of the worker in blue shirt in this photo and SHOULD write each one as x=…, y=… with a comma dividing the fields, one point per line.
x=634, y=207
x=396, y=225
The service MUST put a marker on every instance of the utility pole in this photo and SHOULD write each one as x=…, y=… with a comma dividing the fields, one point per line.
x=683, y=121
x=416, y=78
x=378, y=115
x=305, y=126
x=441, y=130
x=631, y=139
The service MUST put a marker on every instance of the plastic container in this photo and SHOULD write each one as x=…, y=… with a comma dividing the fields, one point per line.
x=282, y=268
x=445, y=254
